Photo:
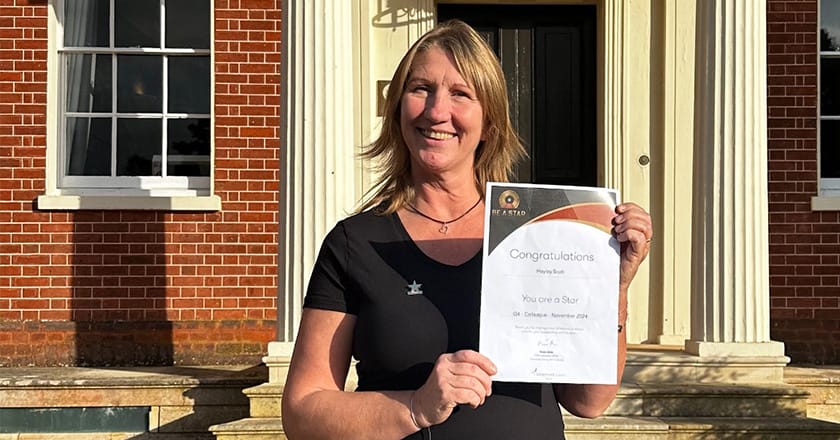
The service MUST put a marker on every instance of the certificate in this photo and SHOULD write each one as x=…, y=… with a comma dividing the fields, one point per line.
x=549, y=284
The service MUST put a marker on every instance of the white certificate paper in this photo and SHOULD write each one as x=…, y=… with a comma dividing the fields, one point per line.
x=549, y=284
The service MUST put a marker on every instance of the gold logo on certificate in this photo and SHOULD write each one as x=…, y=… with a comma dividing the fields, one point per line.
x=509, y=199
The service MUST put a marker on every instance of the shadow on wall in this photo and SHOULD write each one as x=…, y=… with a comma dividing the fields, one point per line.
x=397, y=13
x=119, y=285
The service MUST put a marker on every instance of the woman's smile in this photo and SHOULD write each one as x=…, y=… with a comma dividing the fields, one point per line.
x=437, y=135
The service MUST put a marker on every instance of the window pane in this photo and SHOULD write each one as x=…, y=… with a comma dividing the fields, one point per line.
x=188, y=153
x=88, y=146
x=139, y=82
x=830, y=149
x=86, y=23
x=189, y=84
x=830, y=87
x=830, y=25
x=188, y=24
x=138, y=147
x=88, y=83
x=137, y=23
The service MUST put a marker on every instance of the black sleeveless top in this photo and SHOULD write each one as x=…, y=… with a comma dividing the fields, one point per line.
x=410, y=309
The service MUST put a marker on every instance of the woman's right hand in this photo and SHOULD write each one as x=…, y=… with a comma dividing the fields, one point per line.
x=460, y=378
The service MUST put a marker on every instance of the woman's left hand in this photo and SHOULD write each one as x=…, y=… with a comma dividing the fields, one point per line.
x=633, y=229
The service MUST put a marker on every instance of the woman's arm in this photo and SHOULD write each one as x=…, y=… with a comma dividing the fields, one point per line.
x=316, y=407
x=633, y=230
x=314, y=403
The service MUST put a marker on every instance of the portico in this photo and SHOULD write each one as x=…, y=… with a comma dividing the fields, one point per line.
x=681, y=123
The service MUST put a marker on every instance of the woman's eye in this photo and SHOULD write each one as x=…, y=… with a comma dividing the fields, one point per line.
x=462, y=94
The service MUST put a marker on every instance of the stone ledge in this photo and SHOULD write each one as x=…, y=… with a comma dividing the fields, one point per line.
x=183, y=401
x=708, y=428
x=752, y=428
x=76, y=377
x=615, y=428
x=708, y=400
x=265, y=399
x=263, y=428
x=618, y=428
x=822, y=374
x=666, y=366
x=106, y=436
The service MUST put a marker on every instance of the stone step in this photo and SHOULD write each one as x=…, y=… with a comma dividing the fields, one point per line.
x=255, y=428
x=108, y=436
x=617, y=428
x=823, y=387
x=643, y=400
x=265, y=399
x=656, y=400
x=709, y=400
x=706, y=428
x=181, y=401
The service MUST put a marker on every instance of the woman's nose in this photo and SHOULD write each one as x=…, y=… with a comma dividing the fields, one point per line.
x=438, y=107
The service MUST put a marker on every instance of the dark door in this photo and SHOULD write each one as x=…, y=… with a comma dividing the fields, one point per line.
x=548, y=56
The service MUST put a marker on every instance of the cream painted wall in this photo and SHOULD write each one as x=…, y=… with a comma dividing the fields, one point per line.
x=386, y=28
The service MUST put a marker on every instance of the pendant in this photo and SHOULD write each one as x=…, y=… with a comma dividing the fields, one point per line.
x=443, y=228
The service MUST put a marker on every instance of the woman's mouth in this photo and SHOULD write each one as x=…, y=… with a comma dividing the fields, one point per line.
x=437, y=135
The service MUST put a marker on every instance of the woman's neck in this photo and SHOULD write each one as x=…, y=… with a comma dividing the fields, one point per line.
x=445, y=197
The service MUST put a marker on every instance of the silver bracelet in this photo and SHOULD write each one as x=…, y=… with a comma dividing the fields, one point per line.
x=411, y=410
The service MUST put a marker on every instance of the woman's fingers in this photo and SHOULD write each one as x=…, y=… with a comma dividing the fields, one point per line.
x=632, y=223
x=632, y=228
x=460, y=378
x=474, y=365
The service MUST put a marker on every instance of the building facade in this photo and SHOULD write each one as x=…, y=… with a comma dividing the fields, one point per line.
x=106, y=258
x=804, y=221
x=164, y=195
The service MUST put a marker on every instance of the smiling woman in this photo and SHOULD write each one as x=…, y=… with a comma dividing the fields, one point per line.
x=397, y=285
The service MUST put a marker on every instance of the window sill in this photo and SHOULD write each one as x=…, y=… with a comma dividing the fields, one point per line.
x=823, y=203
x=116, y=202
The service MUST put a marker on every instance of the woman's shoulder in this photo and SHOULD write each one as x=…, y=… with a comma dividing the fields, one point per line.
x=370, y=220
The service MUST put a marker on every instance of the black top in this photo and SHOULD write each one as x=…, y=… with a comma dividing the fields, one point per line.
x=411, y=309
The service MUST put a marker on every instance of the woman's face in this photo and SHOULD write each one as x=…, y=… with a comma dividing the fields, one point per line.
x=441, y=118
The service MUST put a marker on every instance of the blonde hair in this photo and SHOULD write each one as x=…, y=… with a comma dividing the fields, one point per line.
x=494, y=157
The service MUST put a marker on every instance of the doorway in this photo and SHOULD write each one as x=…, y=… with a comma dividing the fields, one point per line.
x=548, y=55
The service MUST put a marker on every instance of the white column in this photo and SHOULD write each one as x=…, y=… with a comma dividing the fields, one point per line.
x=730, y=273
x=318, y=145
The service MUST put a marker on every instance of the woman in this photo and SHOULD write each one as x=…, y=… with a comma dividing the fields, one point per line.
x=397, y=286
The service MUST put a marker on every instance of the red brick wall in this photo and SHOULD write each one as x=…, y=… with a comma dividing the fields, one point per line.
x=135, y=287
x=804, y=245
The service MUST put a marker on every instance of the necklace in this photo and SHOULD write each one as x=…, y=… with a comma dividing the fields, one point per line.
x=444, y=225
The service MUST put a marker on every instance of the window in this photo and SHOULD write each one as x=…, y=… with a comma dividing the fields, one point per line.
x=134, y=98
x=829, y=105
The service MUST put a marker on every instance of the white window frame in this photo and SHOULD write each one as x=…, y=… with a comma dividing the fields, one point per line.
x=171, y=193
x=828, y=198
